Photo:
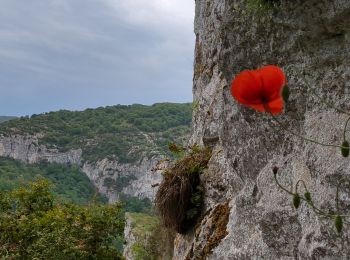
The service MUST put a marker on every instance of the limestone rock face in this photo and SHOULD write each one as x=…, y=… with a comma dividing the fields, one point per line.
x=129, y=237
x=112, y=177
x=308, y=40
x=109, y=176
x=28, y=149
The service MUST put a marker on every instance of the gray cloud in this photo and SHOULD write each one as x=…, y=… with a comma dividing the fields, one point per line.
x=74, y=54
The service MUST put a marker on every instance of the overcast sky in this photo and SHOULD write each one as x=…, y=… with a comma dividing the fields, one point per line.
x=74, y=54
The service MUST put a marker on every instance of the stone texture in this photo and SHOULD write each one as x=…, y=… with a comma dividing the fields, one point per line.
x=27, y=149
x=129, y=237
x=308, y=39
x=112, y=177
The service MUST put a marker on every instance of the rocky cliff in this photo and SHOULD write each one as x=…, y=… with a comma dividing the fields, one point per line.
x=112, y=177
x=108, y=175
x=27, y=149
x=247, y=215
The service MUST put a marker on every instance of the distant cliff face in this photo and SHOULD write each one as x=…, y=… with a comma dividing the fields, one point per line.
x=109, y=176
x=116, y=146
x=27, y=149
x=112, y=177
x=308, y=39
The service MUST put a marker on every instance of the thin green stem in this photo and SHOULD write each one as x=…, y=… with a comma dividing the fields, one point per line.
x=297, y=185
x=316, y=210
x=279, y=185
x=324, y=101
x=306, y=189
x=310, y=203
x=345, y=127
x=337, y=198
x=302, y=137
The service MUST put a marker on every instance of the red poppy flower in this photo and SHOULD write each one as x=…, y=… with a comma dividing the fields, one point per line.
x=260, y=89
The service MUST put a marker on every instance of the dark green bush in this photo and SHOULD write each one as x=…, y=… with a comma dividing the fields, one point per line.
x=34, y=226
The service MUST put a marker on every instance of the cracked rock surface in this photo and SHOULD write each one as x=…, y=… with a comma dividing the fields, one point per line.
x=308, y=40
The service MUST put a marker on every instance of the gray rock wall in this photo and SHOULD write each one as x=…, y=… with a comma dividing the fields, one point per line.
x=27, y=149
x=112, y=177
x=308, y=39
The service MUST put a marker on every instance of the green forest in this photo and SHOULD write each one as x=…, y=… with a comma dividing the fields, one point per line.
x=68, y=182
x=34, y=225
x=127, y=132
x=52, y=211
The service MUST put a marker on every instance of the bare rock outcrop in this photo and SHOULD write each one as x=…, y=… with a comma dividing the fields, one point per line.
x=109, y=176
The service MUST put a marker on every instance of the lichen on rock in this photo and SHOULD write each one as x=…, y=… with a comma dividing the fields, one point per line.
x=308, y=39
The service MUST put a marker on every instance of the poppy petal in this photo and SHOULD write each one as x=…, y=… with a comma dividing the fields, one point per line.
x=247, y=88
x=276, y=106
x=273, y=80
x=260, y=89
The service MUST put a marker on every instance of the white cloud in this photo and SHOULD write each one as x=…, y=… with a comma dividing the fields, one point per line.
x=158, y=13
x=107, y=47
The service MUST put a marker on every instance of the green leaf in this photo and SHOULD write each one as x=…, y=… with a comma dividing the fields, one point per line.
x=345, y=149
x=285, y=94
x=296, y=200
x=307, y=196
x=338, y=222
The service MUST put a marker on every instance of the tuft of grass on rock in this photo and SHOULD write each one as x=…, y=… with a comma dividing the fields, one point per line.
x=179, y=199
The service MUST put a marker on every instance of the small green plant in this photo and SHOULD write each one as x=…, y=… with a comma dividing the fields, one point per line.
x=338, y=217
x=180, y=195
x=261, y=5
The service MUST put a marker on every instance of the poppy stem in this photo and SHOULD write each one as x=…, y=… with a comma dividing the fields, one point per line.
x=323, y=100
x=317, y=210
x=345, y=127
x=300, y=136
x=337, y=198
x=280, y=185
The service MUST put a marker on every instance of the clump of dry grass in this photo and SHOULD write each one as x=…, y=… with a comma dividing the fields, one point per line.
x=180, y=195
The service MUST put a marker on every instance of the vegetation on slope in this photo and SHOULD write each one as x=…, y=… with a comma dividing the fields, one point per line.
x=71, y=192
x=126, y=132
x=69, y=183
x=6, y=118
x=33, y=225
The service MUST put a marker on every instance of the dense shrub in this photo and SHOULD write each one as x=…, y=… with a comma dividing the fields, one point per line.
x=34, y=226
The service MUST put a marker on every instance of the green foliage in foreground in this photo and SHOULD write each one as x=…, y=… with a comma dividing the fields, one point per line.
x=126, y=132
x=152, y=240
x=34, y=226
x=69, y=183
